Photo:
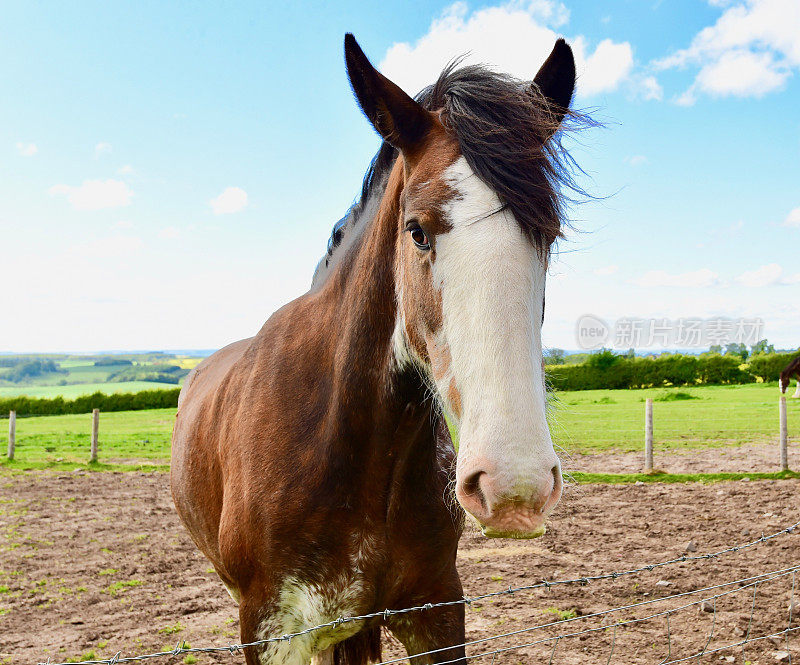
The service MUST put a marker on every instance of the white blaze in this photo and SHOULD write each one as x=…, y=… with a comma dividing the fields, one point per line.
x=492, y=280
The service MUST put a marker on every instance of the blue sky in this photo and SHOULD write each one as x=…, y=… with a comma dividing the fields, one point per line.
x=171, y=171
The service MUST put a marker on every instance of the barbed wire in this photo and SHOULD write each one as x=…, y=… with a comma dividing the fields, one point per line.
x=753, y=581
x=388, y=613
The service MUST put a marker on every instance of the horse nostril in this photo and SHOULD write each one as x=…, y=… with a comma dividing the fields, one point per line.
x=555, y=493
x=556, y=471
x=472, y=487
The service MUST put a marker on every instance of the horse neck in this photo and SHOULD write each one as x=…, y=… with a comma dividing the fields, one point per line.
x=386, y=405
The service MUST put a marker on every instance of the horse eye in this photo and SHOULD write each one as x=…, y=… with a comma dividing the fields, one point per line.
x=419, y=238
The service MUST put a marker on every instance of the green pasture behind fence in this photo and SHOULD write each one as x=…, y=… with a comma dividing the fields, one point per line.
x=581, y=422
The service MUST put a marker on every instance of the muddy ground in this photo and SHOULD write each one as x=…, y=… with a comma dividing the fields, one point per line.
x=98, y=563
x=732, y=457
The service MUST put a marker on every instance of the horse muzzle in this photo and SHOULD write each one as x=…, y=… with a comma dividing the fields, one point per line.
x=509, y=507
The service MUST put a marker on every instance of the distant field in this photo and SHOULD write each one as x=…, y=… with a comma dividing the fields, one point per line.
x=584, y=421
x=83, y=375
x=76, y=390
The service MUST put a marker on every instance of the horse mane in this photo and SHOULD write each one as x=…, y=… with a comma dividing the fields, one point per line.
x=510, y=138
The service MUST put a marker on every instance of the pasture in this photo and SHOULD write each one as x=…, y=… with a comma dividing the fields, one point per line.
x=128, y=439
x=703, y=429
x=71, y=391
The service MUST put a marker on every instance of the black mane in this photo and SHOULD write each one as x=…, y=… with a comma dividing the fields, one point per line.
x=509, y=137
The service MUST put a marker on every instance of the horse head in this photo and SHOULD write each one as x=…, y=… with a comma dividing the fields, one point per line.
x=475, y=198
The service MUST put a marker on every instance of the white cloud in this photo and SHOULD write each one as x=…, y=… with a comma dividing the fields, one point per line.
x=636, y=160
x=169, y=233
x=606, y=270
x=741, y=74
x=125, y=169
x=750, y=51
x=102, y=148
x=650, y=89
x=603, y=70
x=95, y=194
x=692, y=279
x=27, y=149
x=766, y=275
x=233, y=199
x=514, y=37
x=123, y=224
x=793, y=218
x=686, y=98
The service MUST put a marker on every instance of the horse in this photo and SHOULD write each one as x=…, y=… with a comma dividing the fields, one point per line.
x=313, y=463
x=791, y=371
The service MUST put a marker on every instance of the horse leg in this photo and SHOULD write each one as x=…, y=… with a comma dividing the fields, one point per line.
x=797, y=392
x=258, y=620
x=439, y=630
x=323, y=657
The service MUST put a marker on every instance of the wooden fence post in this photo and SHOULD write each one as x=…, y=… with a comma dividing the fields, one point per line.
x=12, y=433
x=648, y=435
x=784, y=434
x=95, y=428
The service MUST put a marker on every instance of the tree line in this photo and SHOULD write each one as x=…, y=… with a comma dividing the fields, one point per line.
x=146, y=399
x=605, y=369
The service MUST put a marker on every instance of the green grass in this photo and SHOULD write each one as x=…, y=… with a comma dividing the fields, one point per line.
x=563, y=615
x=706, y=416
x=660, y=477
x=72, y=391
x=584, y=421
x=126, y=437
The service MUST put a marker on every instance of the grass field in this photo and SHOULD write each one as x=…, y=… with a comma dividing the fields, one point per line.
x=72, y=391
x=125, y=437
x=584, y=421
x=596, y=420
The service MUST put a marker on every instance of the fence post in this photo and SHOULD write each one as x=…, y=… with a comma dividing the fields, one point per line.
x=95, y=428
x=12, y=433
x=648, y=435
x=784, y=434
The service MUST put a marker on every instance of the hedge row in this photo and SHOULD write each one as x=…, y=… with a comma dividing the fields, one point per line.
x=147, y=399
x=606, y=370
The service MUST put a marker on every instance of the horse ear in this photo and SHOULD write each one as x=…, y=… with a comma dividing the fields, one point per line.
x=556, y=79
x=396, y=117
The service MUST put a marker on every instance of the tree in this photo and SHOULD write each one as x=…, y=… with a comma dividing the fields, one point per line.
x=554, y=357
x=740, y=350
x=762, y=346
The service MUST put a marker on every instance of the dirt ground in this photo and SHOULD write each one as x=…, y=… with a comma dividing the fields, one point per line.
x=98, y=563
x=757, y=457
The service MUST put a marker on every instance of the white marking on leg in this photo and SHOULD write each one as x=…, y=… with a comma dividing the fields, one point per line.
x=302, y=605
x=323, y=657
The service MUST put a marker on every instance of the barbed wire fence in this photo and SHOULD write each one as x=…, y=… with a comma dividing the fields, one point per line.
x=707, y=599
